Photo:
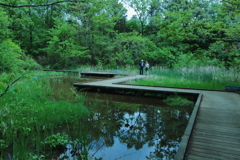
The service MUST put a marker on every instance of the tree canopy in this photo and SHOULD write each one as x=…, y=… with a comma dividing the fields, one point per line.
x=169, y=33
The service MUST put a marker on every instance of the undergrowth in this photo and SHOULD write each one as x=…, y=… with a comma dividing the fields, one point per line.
x=29, y=114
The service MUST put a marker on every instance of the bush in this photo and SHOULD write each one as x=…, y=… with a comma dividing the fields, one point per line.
x=10, y=54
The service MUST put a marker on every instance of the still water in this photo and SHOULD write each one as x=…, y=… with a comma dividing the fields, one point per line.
x=125, y=127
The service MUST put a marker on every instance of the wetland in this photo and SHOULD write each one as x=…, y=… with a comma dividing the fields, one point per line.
x=113, y=127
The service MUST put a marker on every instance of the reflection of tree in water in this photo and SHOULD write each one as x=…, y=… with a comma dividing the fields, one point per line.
x=158, y=127
x=103, y=122
x=135, y=136
x=167, y=126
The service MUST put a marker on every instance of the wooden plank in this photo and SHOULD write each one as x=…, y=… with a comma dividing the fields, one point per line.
x=222, y=147
x=217, y=141
x=212, y=109
x=221, y=129
x=202, y=157
x=218, y=122
x=214, y=142
x=208, y=123
x=213, y=134
x=213, y=153
x=207, y=156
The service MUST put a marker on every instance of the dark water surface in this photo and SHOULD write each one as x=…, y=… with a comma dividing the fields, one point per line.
x=126, y=127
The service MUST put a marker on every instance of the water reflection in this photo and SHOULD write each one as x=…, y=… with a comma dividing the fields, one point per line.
x=134, y=130
x=129, y=127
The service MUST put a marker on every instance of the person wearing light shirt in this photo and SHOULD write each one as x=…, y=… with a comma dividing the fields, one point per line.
x=146, y=67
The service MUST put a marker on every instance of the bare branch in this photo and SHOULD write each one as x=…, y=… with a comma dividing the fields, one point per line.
x=38, y=5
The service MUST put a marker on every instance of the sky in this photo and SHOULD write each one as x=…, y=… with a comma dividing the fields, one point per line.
x=130, y=12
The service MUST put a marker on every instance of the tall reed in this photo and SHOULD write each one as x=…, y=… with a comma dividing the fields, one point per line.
x=196, y=77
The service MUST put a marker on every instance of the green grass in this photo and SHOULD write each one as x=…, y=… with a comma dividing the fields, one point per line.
x=211, y=78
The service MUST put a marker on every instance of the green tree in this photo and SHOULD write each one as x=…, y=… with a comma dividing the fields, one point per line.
x=63, y=47
x=10, y=53
x=141, y=7
x=133, y=25
x=231, y=7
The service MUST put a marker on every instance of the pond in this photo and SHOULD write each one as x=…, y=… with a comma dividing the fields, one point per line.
x=123, y=127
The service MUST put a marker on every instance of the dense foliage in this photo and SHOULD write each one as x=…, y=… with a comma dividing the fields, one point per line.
x=169, y=33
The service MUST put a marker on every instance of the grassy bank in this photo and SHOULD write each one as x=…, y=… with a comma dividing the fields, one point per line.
x=212, y=78
x=29, y=117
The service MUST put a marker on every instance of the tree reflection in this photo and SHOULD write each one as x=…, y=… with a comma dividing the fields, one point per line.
x=158, y=127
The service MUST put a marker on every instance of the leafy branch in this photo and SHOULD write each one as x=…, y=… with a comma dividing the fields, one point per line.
x=9, y=85
x=38, y=5
x=6, y=84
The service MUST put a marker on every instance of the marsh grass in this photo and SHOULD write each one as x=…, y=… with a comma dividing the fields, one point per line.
x=213, y=78
x=30, y=115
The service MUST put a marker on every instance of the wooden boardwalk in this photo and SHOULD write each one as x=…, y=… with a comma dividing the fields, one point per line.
x=216, y=129
x=115, y=84
x=216, y=133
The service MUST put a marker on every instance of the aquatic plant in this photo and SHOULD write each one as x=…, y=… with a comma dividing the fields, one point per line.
x=176, y=100
x=56, y=140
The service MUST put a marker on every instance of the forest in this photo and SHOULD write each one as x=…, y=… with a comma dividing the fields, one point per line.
x=188, y=43
x=54, y=34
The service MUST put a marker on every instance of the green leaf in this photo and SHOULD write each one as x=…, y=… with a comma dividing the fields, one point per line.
x=11, y=88
x=2, y=86
x=34, y=77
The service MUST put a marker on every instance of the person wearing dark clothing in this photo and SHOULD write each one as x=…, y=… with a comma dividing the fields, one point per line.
x=141, y=65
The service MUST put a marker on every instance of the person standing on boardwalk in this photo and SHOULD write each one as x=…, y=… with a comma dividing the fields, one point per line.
x=147, y=67
x=141, y=65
